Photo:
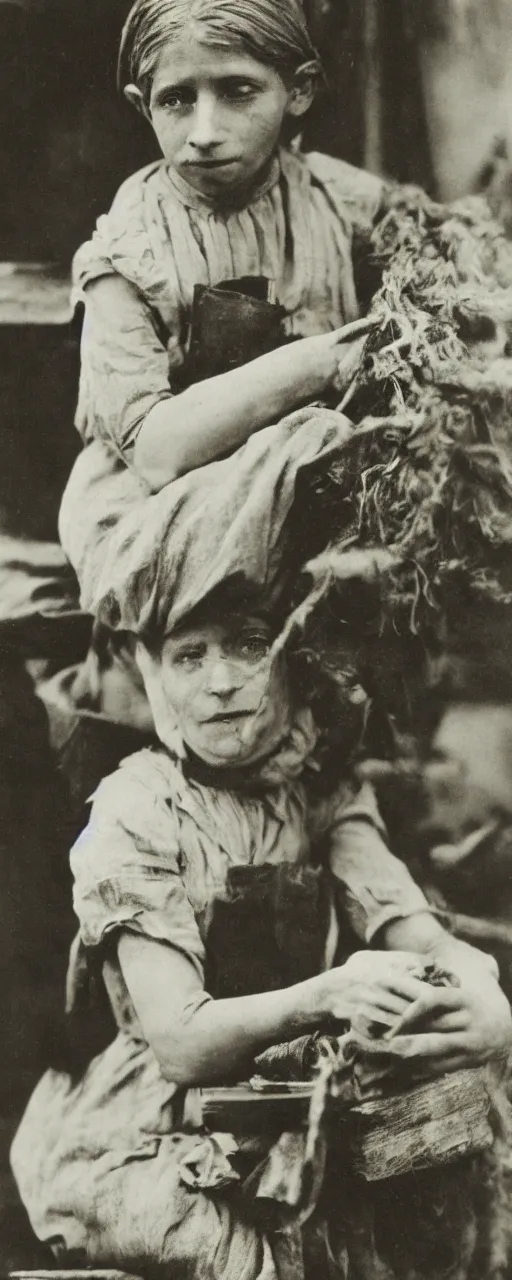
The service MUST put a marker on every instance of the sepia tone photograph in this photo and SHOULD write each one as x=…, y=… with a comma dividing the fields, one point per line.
x=256, y=640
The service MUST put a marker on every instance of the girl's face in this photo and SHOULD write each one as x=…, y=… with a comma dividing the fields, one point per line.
x=217, y=114
x=229, y=700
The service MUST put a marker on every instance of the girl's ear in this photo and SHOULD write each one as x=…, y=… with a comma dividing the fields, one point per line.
x=134, y=96
x=303, y=89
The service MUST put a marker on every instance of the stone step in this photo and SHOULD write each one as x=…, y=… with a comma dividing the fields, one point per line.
x=59, y=1274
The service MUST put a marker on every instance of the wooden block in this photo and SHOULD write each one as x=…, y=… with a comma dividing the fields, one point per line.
x=34, y=293
x=431, y=1124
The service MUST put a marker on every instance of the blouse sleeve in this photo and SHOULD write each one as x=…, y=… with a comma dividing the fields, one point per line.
x=124, y=364
x=121, y=279
x=127, y=866
x=356, y=194
x=374, y=887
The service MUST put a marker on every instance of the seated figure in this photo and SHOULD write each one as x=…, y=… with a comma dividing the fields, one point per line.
x=103, y=1157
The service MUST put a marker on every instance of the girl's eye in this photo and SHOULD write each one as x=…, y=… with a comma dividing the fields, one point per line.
x=177, y=99
x=188, y=657
x=238, y=92
x=255, y=646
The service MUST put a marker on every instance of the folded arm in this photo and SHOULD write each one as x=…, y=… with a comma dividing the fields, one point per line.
x=125, y=377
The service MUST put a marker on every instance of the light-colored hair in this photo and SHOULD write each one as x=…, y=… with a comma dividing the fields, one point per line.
x=273, y=32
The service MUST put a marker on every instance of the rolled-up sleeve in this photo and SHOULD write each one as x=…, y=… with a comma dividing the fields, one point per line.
x=373, y=887
x=124, y=364
x=126, y=870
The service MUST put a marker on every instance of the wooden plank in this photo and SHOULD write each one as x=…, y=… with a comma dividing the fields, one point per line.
x=34, y=294
x=420, y=1127
x=431, y=1124
x=239, y=1107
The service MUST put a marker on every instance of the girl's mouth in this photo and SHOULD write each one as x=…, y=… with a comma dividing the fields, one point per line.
x=209, y=164
x=223, y=717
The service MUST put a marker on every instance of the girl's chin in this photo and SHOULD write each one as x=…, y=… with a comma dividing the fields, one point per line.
x=228, y=756
x=210, y=179
x=227, y=750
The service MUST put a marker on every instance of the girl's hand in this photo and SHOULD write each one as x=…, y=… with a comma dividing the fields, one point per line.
x=373, y=987
x=336, y=357
x=349, y=344
x=450, y=1028
x=349, y=355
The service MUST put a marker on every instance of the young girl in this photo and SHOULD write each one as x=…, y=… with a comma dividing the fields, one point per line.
x=114, y=1167
x=223, y=84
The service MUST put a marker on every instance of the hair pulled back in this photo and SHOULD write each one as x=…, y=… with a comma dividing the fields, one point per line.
x=273, y=32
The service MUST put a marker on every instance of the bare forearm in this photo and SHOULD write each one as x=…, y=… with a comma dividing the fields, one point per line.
x=197, y=1040
x=220, y=1040
x=424, y=934
x=215, y=417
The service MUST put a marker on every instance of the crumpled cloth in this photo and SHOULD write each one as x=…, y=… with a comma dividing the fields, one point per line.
x=145, y=561
x=207, y=1165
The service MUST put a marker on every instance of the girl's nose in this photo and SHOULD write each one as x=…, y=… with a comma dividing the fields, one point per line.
x=203, y=133
x=223, y=677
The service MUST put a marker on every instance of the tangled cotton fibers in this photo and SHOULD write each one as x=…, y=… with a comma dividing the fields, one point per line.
x=427, y=473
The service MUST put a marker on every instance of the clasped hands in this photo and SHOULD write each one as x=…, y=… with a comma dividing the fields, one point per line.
x=437, y=1029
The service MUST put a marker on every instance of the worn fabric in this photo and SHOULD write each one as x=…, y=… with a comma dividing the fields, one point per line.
x=100, y=1170
x=145, y=560
x=162, y=238
x=98, y=1162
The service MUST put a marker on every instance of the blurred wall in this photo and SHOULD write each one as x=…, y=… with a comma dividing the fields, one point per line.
x=465, y=57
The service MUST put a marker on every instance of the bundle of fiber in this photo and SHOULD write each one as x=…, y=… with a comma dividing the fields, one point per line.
x=427, y=473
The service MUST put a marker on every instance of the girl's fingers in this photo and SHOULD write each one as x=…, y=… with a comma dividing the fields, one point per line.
x=453, y=1060
x=431, y=1044
x=348, y=363
x=371, y=1013
x=407, y=961
x=438, y=1069
x=409, y=1017
x=375, y=1006
x=455, y=1021
x=356, y=329
x=410, y=988
x=382, y=1003
x=387, y=1002
x=430, y=1000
